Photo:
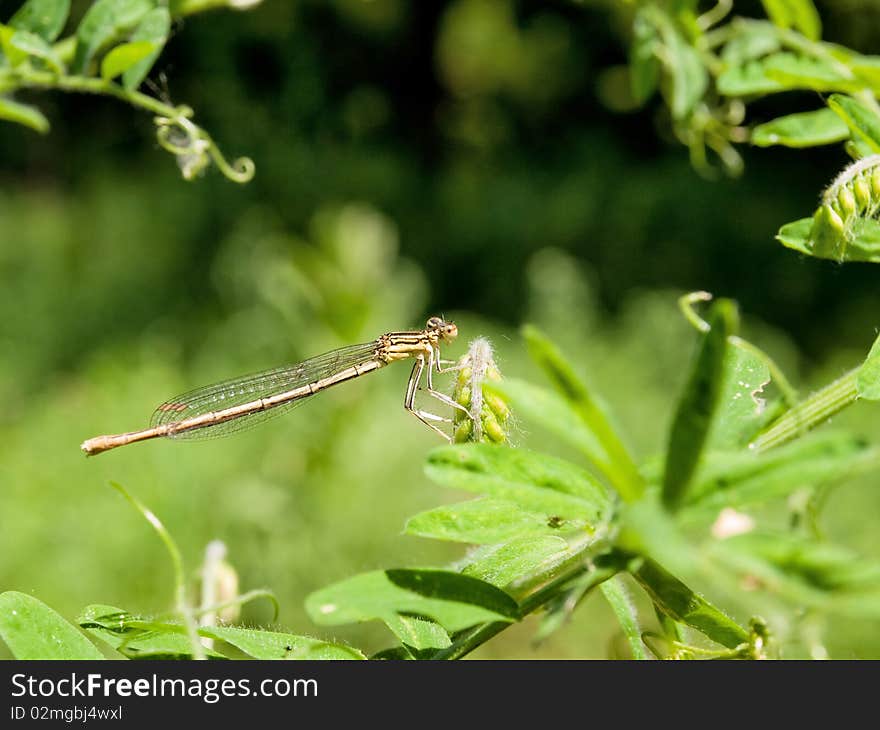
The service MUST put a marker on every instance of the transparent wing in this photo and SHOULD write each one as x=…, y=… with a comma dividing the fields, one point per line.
x=247, y=388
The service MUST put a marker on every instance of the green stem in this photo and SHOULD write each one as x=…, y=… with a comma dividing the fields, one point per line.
x=814, y=411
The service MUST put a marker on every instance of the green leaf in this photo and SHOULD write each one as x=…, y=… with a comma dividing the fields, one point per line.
x=452, y=600
x=25, y=114
x=105, y=22
x=798, y=14
x=813, y=237
x=503, y=564
x=621, y=603
x=750, y=40
x=644, y=67
x=796, y=235
x=808, y=129
x=868, y=379
x=417, y=633
x=485, y=521
x=155, y=27
x=124, y=56
x=32, y=630
x=698, y=404
x=612, y=457
x=689, y=78
x=785, y=71
x=864, y=122
x=536, y=482
x=820, y=565
x=747, y=479
x=273, y=645
x=45, y=18
x=550, y=411
x=742, y=412
x=13, y=55
x=682, y=604
x=138, y=638
x=35, y=47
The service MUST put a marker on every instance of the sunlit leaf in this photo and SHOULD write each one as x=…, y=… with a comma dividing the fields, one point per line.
x=104, y=22
x=138, y=638
x=698, y=404
x=536, y=482
x=35, y=47
x=155, y=28
x=863, y=121
x=416, y=632
x=868, y=380
x=742, y=410
x=124, y=56
x=453, y=600
x=682, y=604
x=485, y=521
x=624, y=609
x=32, y=630
x=44, y=18
x=746, y=479
x=807, y=129
x=25, y=114
x=798, y=14
x=783, y=71
x=750, y=40
x=503, y=564
x=273, y=645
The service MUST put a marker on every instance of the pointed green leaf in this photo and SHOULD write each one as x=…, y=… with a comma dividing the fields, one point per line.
x=698, y=404
x=798, y=14
x=796, y=235
x=863, y=121
x=808, y=129
x=29, y=116
x=273, y=645
x=503, y=564
x=32, y=630
x=747, y=479
x=452, y=600
x=624, y=609
x=742, y=410
x=644, y=66
x=138, y=638
x=124, y=56
x=750, y=40
x=45, y=18
x=486, y=521
x=536, y=482
x=13, y=55
x=106, y=21
x=612, y=457
x=36, y=47
x=155, y=27
x=417, y=633
x=868, y=380
x=785, y=71
x=682, y=604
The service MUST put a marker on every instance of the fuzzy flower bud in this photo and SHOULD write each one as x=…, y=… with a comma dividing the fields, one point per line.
x=487, y=415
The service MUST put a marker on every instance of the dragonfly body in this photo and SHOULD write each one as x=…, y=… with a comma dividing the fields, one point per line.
x=234, y=405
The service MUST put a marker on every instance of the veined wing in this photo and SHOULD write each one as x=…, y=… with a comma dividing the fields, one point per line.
x=247, y=388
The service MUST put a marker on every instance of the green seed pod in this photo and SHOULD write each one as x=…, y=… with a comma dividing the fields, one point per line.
x=875, y=182
x=493, y=429
x=463, y=395
x=463, y=431
x=862, y=191
x=847, y=202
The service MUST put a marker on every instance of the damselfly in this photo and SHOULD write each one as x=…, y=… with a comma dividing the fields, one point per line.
x=237, y=404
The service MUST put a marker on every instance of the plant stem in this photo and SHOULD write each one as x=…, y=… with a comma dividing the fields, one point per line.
x=817, y=409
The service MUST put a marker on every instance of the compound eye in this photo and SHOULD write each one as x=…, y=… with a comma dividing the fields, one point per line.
x=434, y=323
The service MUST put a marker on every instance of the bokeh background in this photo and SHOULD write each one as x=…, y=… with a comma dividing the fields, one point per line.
x=476, y=158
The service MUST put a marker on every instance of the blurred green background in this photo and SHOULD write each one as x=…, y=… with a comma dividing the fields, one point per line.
x=473, y=158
